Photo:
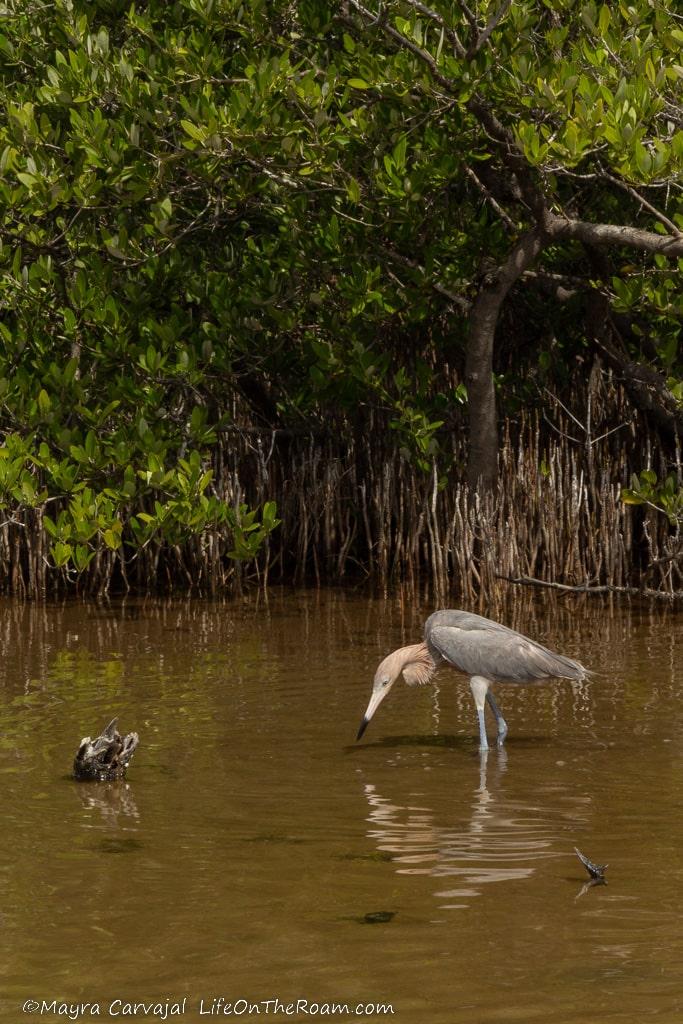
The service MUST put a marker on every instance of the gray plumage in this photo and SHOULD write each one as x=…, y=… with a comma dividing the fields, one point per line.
x=484, y=650
x=107, y=756
x=480, y=647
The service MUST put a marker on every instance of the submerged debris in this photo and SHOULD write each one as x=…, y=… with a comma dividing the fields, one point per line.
x=596, y=871
x=107, y=756
x=378, y=917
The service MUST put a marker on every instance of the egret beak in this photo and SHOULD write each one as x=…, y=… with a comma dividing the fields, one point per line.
x=375, y=701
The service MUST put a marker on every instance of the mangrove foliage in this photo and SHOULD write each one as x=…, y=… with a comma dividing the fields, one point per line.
x=317, y=289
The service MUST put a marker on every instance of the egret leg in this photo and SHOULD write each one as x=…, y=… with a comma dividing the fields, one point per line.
x=500, y=721
x=480, y=687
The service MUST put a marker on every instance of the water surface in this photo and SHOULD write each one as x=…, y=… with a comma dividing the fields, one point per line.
x=255, y=851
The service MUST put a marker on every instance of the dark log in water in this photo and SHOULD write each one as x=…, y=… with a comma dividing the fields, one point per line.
x=107, y=756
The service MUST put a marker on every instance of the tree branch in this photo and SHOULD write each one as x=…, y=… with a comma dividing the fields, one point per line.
x=449, y=32
x=407, y=44
x=612, y=234
x=675, y=231
x=457, y=300
x=509, y=223
x=645, y=385
x=494, y=22
x=530, y=581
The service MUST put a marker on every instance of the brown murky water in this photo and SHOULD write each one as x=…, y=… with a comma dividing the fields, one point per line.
x=255, y=852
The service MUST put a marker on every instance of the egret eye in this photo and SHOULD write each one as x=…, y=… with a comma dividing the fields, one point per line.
x=385, y=682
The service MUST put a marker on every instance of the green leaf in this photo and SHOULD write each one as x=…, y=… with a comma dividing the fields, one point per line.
x=399, y=153
x=61, y=553
x=111, y=539
x=193, y=130
x=643, y=159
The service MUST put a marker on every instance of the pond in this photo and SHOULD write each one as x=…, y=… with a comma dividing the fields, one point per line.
x=256, y=852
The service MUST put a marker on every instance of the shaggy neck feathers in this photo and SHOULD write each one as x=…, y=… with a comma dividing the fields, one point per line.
x=415, y=662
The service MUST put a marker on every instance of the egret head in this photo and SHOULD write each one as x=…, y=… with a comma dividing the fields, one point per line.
x=414, y=662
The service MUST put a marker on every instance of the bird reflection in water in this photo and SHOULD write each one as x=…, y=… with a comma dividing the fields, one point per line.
x=495, y=845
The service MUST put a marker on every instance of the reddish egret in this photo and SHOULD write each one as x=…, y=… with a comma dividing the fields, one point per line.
x=484, y=650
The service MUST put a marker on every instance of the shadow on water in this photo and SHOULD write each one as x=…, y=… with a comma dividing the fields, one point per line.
x=129, y=845
x=274, y=837
x=468, y=744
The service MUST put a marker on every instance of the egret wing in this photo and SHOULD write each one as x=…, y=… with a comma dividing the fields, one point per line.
x=465, y=620
x=498, y=653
